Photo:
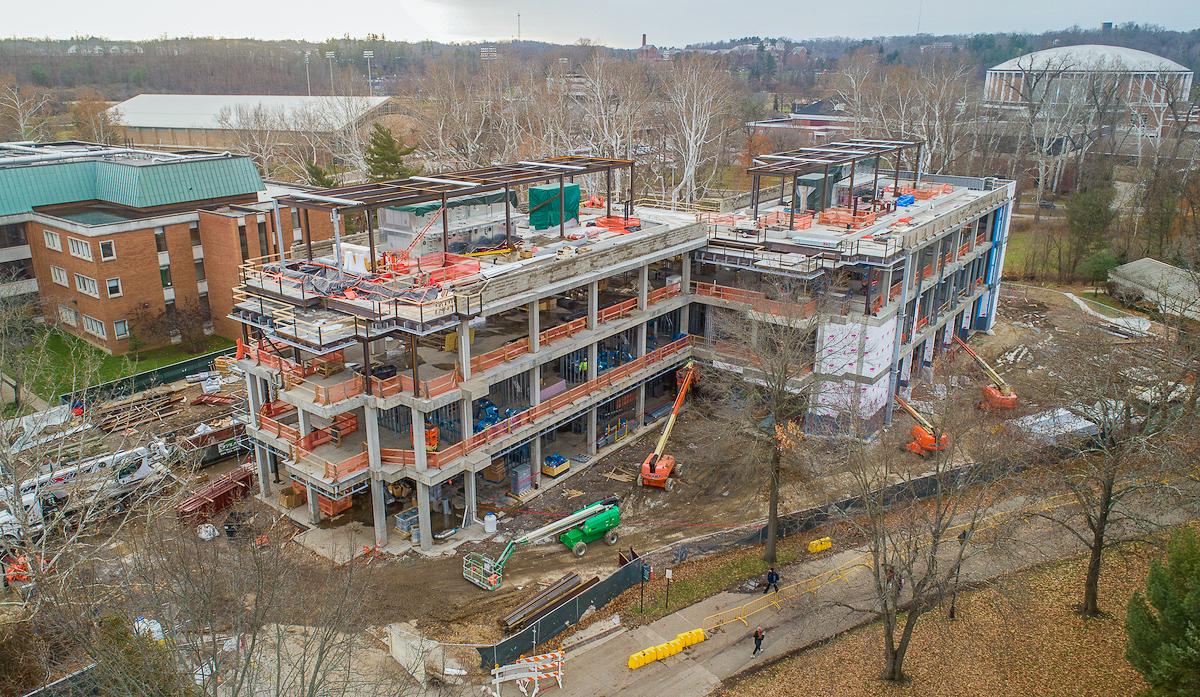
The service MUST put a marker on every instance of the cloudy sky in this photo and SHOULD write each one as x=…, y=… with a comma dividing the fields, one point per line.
x=611, y=22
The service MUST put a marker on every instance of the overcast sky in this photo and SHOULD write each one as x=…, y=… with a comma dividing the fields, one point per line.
x=611, y=22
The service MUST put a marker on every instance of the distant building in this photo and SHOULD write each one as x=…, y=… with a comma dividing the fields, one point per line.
x=1171, y=290
x=206, y=120
x=106, y=235
x=1144, y=84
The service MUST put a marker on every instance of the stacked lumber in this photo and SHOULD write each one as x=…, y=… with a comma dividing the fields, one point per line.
x=546, y=600
x=215, y=399
x=138, y=410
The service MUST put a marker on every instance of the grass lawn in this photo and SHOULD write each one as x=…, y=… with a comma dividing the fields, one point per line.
x=69, y=360
x=1105, y=304
x=1019, y=636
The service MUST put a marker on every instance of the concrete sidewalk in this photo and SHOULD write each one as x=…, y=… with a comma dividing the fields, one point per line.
x=600, y=670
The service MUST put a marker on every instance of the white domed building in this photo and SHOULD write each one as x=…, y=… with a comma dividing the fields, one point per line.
x=1057, y=74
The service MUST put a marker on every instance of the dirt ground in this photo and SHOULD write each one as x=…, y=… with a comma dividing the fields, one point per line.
x=718, y=490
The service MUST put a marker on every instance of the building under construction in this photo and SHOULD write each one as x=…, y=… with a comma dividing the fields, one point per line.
x=467, y=335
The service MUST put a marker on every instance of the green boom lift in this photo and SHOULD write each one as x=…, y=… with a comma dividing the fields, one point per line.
x=590, y=523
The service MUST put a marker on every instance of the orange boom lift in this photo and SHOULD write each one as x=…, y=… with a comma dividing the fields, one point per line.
x=658, y=467
x=998, y=395
x=923, y=440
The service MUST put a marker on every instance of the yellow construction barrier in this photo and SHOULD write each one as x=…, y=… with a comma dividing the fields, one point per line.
x=666, y=649
x=820, y=545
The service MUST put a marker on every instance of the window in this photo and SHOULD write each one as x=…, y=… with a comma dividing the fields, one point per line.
x=121, y=328
x=12, y=235
x=160, y=239
x=60, y=276
x=205, y=309
x=108, y=250
x=295, y=218
x=53, y=241
x=194, y=232
x=200, y=270
x=87, y=285
x=80, y=248
x=262, y=239
x=164, y=272
x=113, y=286
x=242, y=240
x=91, y=325
x=68, y=315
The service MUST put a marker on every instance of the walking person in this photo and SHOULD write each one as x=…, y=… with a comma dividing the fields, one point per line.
x=772, y=580
x=759, y=634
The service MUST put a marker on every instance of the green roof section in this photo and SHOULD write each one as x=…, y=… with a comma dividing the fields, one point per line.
x=136, y=185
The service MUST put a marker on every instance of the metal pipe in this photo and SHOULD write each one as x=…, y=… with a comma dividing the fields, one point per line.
x=507, y=218
x=445, y=226
x=337, y=238
x=278, y=231
x=371, y=239
x=562, y=208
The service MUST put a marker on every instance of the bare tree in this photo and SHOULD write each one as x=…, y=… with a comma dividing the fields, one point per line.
x=698, y=110
x=921, y=515
x=93, y=120
x=1117, y=482
x=24, y=110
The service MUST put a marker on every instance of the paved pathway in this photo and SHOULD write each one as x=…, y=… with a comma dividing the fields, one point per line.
x=599, y=669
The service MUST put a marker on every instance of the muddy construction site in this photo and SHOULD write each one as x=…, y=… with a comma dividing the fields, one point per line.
x=723, y=486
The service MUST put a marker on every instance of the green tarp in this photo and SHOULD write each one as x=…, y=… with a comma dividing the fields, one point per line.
x=544, y=205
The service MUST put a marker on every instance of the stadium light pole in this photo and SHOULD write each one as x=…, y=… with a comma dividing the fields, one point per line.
x=307, y=76
x=329, y=56
x=370, y=88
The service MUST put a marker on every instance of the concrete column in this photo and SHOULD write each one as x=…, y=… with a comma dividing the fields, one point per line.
x=303, y=421
x=685, y=273
x=640, y=409
x=378, y=510
x=371, y=416
x=470, y=495
x=418, y=435
x=535, y=327
x=314, y=511
x=535, y=385
x=536, y=459
x=423, y=516
x=640, y=348
x=643, y=286
x=591, y=431
x=464, y=349
x=252, y=397
x=593, y=304
x=264, y=472
x=467, y=417
x=593, y=356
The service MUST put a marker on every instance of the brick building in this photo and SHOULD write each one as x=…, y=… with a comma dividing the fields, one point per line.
x=113, y=239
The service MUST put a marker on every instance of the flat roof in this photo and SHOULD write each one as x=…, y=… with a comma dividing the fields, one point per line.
x=204, y=111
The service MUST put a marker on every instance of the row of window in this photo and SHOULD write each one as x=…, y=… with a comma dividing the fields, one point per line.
x=80, y=248
x=108, y=248
x=91, y=325
x=86, y=284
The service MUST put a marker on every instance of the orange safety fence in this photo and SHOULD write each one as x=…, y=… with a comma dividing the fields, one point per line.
x=756, y=300
x=846, y=216
x=507, y=352
x=277, y=429
x=562, y=331
x=402, y=457
x=803, y=220
x=275, y=408
x=660, y=294
x=616, y=311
